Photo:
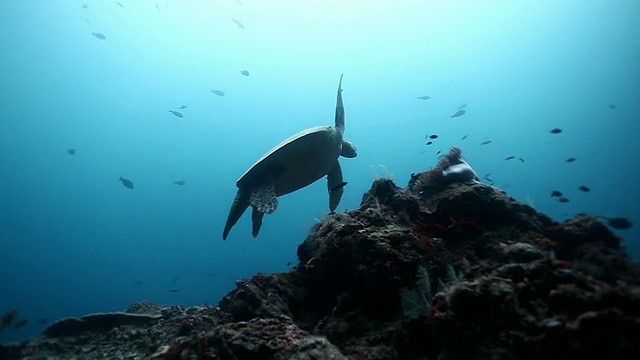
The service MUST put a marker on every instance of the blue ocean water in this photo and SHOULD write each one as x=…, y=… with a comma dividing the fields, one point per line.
x=74, y=240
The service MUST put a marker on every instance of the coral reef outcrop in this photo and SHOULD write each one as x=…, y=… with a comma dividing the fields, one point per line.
x=444, y=271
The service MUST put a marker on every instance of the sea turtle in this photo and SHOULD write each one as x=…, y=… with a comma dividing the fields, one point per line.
x=291, y=165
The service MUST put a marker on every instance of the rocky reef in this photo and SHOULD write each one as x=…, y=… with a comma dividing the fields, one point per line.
x=430, y=271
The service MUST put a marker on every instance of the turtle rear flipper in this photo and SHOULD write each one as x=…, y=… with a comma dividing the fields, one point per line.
x=263, y=198
x=256, y=221
x=335, y=185
x=238, y=207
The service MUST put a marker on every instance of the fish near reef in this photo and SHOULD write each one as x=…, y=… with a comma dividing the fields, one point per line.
x=555, y=131
x=179, y=182
x=556, y=193
x=563, y=199
x=99, y=36
x=584, y=188
x=218, y=92
x=424, y=97
x=244, y=72
x=619, y=223
x=570, y=160
x=71, y=151
x=126, y=182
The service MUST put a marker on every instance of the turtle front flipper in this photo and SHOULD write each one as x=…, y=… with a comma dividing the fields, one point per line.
x=239, y=205
x=340, y=109
x=335, y=185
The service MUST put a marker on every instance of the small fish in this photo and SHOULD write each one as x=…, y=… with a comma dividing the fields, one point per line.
x=424, y=97
x=238, y=23
x=584, y=188
x=619, y=223
x=157, y=7
x=563, y=199
x=612, y=106
x=486, y=142
x=433, y=136
x=556, y=193
x=428, y=143
x=464, y=137
x=570, y=160
x=137, y=282
x=43, y=321
x=119, y=4
x=20, y=323
x=182, y=107
x=458, y=113
x=239, y=3
x=289, y=263
x=555, y=131
x=218, y=92
x=521, y=159
x=84, y=6
x=176, y=113
x=509, y=158
x=486, y=177
x=126, y=182
x=244, y=72
x=175, y=279
x=179, y=182
x=71, y=151
x=99, y=35
x=439, y=151
x=173, y=290
x=462, y=106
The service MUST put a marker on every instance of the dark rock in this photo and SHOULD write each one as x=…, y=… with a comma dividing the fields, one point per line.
x=96, y=322
x=444, y=271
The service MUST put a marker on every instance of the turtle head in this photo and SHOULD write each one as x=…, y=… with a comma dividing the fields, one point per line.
x=348, y=149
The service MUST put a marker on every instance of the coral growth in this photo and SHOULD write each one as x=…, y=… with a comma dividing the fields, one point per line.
x=451, y=168
x=460, y=271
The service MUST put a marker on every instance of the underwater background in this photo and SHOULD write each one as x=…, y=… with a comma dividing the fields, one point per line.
x=86, y=89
